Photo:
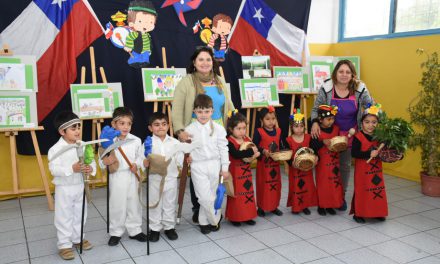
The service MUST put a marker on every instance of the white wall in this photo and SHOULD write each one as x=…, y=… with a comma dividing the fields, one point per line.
x=323, y=21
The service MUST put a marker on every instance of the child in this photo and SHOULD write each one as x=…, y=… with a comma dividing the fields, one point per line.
x=369, y=197
x=221, y=27
x=268, y=139
x=240, y=208
x=302, y=191
x=69, y=185
x=328, y=177
x=164, y=215
x=125, y=208
x=207, y=161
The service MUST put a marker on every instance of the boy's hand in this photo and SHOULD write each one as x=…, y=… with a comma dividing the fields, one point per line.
x=127, y=49
x=146, y=163
x=134, y=168
x=374, y=153
x=225, y=174
x=76, y=167
x=86, y=169
x=109, y=160
x=189, y=160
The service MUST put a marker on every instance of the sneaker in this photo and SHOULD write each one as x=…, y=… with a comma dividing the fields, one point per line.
x=321, y=211
x=331, y=211
x=113, y=241
x=381, y=219
x=235, y=223
x=154, y=236
x=195, y=217
x=358, y=219
x=171, y=234
x=277, y=212
x=141, y=237
x=205, y=229
x=260, y=212
x=250, y=222
x=86, y=245
x=215, y=228
x=343, y=207
x=306, y=211
x=66, y=254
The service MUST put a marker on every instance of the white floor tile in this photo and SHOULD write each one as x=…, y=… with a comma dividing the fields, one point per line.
x=39, y=220
x=230, y=260
x=393, y=228
x=33, y=201
x=226, y=230
x=275, y=237
x=12, y=238
x=428, y=260
x=43, y=248
x=419, y=222
x=136, y=248
x=286, y=219
x=334, y=243
x=262, y=257
x=328, y=260
x=433, y=201
x=365, y=236
x=423, y=241
x=336, y=223
x=11, y=225
x=189, y=237
x=104, y=254
x=307, y=230
x=163, y=257
x=261, y=224
x=124, y=261
x=432, y=214
x=434, y=232
x=395, y=212
x=364, y=256
x=56, y=259
x=240, y=244
x=413, y=206
x=398, y=251
x=12, y=203
x=300, y=252
x=9, y=213
x=41, y=232
x=202, y=253
x=13, y=253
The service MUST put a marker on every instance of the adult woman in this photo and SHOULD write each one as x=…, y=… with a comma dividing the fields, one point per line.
x=203, y=77
x=350, y=95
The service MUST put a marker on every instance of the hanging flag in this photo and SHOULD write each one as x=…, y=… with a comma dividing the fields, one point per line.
x=259, y=27
x=56, y=32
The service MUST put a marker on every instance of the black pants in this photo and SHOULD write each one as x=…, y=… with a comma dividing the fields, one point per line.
x=194, y=200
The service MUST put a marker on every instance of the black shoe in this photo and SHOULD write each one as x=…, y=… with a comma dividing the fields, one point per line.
x=306, y=211
x=154, y=236
x=277, y=212
x=141, y=237
x=343, y=207
x=250, y=222
x=235, y=223
x=358, y=219
x=381, y=219
x=330, y=211
x=321, y=211
x=215, y=228
x=205, y=229
x=196, y=217
x=260, y=213
x=171, y=234
x=113, y=241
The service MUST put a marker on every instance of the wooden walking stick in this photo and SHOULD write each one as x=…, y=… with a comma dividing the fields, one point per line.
x=379, y=149
x=147, y=174
x=182, y=185
x=86, y=157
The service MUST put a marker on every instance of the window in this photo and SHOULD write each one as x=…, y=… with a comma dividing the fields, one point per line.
x=373, y=19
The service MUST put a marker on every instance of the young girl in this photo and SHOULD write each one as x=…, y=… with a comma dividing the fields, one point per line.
x=268, y=138
x=302, y=191
x=240, y=208
x=328, y=177
x=369, y=197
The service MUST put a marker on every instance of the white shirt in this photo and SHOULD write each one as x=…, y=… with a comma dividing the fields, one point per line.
x=214, y=147
x=166, y=146
x=61, y=167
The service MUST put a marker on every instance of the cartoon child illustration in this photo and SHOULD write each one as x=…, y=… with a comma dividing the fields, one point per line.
x=221, y=27
x=141, y=19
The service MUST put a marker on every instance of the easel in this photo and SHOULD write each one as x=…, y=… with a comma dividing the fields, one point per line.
x=303, y=104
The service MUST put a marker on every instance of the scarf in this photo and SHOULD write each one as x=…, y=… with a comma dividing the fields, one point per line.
x=198, y=79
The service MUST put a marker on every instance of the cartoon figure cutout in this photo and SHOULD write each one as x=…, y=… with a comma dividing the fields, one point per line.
x=216, y=36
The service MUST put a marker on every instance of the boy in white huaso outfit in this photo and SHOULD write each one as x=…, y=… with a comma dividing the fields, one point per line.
x=207, y=161
x=125, y=207
x=69, y=185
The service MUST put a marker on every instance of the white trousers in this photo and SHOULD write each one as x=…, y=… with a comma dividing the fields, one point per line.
x=164, y=215
x=68, y=208
x=205, y=176
x=125, y=208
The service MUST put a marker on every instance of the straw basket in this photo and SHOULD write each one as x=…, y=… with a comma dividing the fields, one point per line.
x=282, y=155
x=247, y=145
x=338, y=143
x=304, y=159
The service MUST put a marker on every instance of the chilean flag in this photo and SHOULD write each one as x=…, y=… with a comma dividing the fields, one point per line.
x=257, y=26
x=56, y=32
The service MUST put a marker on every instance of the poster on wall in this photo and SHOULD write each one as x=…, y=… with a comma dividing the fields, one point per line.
x=256, y=67
x=258, y=92
x=356, y=61
x=95, y=100
x=321, y=69
x=18, y=109
x=18, y=73
x=159, y=83
x=291, y=79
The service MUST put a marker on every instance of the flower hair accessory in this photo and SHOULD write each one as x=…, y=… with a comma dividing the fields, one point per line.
x=271, y=108
x=297, y=116
x=373, y=109
x=232, y=113
x=327, y=110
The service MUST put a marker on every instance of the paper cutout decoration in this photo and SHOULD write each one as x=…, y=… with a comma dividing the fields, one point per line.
x=216, y=37
x=182, y=6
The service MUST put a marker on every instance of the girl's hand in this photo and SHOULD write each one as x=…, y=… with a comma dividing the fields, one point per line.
x=257, y=154
x=326, y=142
x=225, y=174
x=374, y=153
x=266, y=153
x=315, y=131
x=316, y=160
x=146, y=163
x=255, y=149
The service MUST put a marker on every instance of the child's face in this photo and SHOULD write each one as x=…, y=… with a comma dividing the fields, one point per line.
x=328, y=121
x=222, y=28
x=159, y=128
x=298, y=129
x=144, y=22
x=71, y=134
x=123, y=124
x=239, y=131
x=203, y=114
x=269, y=121
x=369, y=124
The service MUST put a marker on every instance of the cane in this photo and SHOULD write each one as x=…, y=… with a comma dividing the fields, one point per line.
x=182, y=185
x=108, y=199
x=147, y=174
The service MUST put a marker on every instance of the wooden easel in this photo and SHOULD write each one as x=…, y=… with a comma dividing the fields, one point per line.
x=302, y=105
x=254, y=118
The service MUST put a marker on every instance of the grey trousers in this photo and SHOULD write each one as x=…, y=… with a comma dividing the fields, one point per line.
x=344, y=167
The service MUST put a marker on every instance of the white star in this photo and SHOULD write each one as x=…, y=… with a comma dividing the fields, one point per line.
x=58, y=2
x=258, y=14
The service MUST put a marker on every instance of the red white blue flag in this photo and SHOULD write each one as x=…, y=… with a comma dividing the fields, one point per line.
x=259, y=27
x=56, y=32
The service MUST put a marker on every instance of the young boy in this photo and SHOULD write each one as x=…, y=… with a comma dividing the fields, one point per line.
x=328, y=176
x=207, y=161
x=164, y=215
x=221, y=27
x=69, y=185
x=125, y=208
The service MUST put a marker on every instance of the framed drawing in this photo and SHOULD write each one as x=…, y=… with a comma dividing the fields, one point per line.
x=289, y=79
x=356, y=61
x=18, y=73
x=95, y=100
x=256, y=67
x=321, y=69
x=159, y=83
x=18, y=109
x=258, y=92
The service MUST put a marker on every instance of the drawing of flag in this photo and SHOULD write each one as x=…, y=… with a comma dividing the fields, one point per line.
x=258, y=26
x=56, y=32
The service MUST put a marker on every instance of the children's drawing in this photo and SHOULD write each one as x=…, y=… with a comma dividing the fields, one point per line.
x=256, y=67
x=12, y=111
x=320, y=73
x=289, y=79
x=258, y=92
x=159, y=84
x=91, y=107
x=12, y=77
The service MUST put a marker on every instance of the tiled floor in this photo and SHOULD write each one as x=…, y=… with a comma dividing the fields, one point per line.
x=411, y=234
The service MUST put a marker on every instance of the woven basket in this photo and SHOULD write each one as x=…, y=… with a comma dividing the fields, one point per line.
x=282, y=155
x=304, y=159
x=338, y=144
x=247, y=145
x=390, y=155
